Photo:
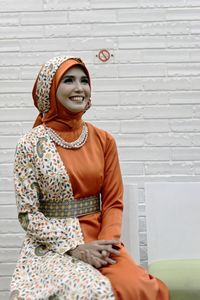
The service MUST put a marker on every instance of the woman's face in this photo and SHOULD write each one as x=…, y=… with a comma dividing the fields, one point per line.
x=74, y=90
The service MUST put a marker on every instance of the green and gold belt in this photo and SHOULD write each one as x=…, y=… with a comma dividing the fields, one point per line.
x=72, y=208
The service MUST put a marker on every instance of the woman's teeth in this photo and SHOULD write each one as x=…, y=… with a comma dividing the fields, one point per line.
x=77, y=98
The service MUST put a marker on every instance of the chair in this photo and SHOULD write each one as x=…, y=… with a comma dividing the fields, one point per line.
x=130, y=231
x=173, y=236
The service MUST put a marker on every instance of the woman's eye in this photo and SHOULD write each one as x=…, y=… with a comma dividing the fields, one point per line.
x=85, y=80
x=68, y=80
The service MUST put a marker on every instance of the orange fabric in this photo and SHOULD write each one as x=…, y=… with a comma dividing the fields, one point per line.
x=132, y=282
x=92, y=169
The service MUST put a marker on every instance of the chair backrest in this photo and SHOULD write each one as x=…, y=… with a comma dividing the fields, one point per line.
x=130, y=230
x=173, y=220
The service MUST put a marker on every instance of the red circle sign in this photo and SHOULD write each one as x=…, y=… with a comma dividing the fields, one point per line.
x=104, y=55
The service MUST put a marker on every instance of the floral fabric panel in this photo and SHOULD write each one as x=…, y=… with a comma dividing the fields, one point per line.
x=41, y=274
x=44, y=82
x=40, y=175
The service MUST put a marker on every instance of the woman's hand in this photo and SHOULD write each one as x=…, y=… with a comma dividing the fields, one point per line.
x=96, y=253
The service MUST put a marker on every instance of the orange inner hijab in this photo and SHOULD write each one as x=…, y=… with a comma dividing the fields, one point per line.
x=67, y=124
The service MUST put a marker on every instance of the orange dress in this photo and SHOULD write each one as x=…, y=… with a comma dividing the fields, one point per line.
x=93, y=169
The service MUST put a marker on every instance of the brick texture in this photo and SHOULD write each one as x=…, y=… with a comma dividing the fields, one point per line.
x=147, y=95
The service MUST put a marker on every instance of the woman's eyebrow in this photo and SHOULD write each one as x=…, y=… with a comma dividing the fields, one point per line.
x=68, y=76
x=72, y=76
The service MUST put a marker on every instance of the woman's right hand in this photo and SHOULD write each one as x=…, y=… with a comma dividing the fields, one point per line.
x=96, y=253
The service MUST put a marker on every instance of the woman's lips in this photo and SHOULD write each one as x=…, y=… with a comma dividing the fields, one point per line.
x=77, y=98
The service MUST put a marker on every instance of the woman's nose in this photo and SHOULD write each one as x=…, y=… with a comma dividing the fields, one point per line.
x=78, y=86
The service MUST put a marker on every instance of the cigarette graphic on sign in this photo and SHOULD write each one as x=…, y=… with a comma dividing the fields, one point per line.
x=104, y=55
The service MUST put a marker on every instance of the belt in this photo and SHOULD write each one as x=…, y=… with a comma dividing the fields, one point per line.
x=72, y=208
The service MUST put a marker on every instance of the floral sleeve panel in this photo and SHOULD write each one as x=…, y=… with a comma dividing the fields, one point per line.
x=40, y=175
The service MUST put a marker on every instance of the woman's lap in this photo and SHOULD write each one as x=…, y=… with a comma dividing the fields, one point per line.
x=130, y=281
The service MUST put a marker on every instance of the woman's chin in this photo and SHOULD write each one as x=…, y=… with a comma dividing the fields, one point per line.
x=75, y=110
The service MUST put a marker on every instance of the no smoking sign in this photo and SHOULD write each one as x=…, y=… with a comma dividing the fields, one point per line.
x=104, y=55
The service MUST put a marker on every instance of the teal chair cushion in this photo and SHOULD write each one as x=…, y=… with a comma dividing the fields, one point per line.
x=182, y=277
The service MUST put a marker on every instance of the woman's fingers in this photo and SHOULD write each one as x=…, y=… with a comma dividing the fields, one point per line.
x=104, y=253
x=105, y=250
x=99, y=246
x=94, y=261
x=109, y=249
x=97, y=253
x=110, y=260
x=88, y=257
x=100, y=263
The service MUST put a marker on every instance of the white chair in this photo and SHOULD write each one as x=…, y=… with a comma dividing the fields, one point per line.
x=173, y=236
x=130, y=231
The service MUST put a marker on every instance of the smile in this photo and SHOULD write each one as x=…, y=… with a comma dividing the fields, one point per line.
x=77, y=98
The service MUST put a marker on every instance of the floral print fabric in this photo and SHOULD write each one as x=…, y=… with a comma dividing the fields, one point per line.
x=43, y=274
x=44, y=270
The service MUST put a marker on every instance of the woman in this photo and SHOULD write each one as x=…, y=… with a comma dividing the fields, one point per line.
x=69, y=197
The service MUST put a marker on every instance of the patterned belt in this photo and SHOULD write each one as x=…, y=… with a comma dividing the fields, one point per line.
x=72, y=208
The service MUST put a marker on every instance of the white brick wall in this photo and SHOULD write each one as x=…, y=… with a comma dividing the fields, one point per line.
x=147, y=95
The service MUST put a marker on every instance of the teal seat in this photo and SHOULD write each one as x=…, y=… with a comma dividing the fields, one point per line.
x=181, y=276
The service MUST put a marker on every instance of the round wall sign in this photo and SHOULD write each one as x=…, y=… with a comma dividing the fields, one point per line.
x=104, y=55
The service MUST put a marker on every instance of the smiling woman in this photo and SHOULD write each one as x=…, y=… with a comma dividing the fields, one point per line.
x=69, y=195
x=74, y=90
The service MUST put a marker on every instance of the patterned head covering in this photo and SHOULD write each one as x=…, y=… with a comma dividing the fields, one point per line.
x=42, y=86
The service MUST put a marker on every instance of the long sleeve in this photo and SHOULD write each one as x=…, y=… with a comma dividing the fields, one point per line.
x=112, y=194
x=59, y=237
